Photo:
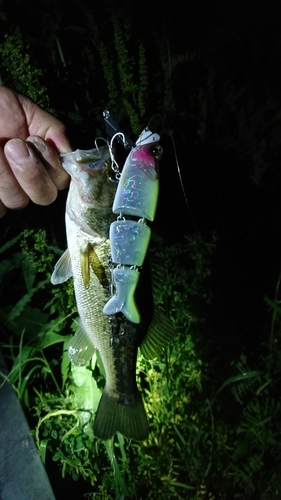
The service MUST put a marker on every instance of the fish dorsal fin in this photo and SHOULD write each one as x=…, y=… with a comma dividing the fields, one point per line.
x=158, y=280
x=160, y=333
x=161, y=330
x=62, y=271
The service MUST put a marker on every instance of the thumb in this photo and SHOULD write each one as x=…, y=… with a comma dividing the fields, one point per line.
x=57, y=138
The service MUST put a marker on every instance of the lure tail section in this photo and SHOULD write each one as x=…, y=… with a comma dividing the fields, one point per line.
x=126, y=281
x=113, y=416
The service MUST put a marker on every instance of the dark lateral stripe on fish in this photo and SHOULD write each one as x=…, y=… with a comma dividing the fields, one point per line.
x=128, y=419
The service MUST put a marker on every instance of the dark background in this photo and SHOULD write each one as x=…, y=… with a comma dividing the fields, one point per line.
x=218, y=95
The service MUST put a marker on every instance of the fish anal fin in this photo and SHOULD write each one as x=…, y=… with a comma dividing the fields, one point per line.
x=81, y=348
x=62, y=271
x=113, y=416
x=159, y=335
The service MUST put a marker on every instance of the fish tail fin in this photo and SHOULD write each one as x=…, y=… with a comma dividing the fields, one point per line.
x=128, y=419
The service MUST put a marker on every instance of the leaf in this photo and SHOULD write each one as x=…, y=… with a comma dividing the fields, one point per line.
x=5, y=266
x=29, y=274
x=65, y=362
x=109, y=446
x=31, y=319
x=8, y=265
x=180, y=435
x=21, y=304
x=54, y=249
x=181, y=485
x=50, y=338
x=10, y=243
x=43, y=449
x=19, y=364
x=274, y=304
x=239, y=378
x=87, y=395
x=100, y=364
x=23, y=389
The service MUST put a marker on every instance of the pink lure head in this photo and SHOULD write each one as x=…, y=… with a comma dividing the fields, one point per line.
x=144, y=152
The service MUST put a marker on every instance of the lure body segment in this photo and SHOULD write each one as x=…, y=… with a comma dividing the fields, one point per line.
x=136, y=195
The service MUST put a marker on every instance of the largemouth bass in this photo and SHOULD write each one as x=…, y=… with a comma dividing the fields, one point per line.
x=88, y=218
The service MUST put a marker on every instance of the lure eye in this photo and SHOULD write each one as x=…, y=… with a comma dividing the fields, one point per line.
x=157, y=151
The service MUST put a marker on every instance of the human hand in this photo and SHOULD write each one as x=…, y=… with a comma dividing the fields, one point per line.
x=30, y=142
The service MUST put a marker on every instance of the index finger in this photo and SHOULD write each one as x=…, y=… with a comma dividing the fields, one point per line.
x=50, y=160
x=11, y=193
x=29, y=172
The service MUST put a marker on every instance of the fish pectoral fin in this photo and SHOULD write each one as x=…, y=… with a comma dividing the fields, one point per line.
x=81, y=348
x=114, y=416
x=160, y=333
x=63, y=270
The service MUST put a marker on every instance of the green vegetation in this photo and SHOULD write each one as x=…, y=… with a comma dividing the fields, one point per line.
x=17, y=70
x=193, y=449
x=61, y=399
x=127, y=78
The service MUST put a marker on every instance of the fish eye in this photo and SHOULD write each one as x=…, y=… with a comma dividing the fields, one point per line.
x=96, y=165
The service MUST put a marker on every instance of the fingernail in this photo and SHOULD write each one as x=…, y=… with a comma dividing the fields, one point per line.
x=17, y=150
x=38, y=143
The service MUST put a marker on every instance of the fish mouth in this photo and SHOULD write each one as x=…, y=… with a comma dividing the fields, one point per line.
x=92, y=161
x=92, y=172
x=93, y=169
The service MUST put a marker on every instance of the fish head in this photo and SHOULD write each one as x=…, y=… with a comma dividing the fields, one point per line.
x=92, y=190
x=93, y=182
